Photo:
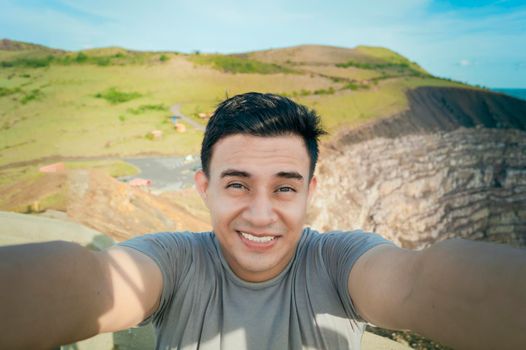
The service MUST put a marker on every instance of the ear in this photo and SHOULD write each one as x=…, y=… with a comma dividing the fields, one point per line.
x=201, y=184
x=313, y=183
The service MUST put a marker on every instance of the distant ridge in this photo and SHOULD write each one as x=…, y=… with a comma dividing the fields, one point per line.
x=316, y=54
x=301, y=54
x=13, y=45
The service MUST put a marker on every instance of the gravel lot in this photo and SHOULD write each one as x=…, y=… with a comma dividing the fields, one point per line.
x=166, y=173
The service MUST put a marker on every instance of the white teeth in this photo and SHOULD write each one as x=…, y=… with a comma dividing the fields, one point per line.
x=257, y=239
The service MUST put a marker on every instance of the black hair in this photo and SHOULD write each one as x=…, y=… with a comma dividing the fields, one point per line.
x=260, y=114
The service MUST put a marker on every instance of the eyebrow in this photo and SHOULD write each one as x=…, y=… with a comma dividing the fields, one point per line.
x=233, y=172
x=240, y=173
x=290, y=175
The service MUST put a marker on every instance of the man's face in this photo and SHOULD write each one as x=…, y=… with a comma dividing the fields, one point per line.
x=257, y=194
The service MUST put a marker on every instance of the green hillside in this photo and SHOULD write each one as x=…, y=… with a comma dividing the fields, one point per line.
x=104, y=103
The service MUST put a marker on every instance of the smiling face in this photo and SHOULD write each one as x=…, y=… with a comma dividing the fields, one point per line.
x=257, y=194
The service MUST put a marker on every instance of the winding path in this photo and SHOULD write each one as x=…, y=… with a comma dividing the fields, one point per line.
x=176, y=111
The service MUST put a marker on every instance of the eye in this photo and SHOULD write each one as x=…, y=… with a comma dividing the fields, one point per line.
x=285, y=189
x=237, y=186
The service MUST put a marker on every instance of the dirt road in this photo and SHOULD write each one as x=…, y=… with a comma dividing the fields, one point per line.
x=176, y=111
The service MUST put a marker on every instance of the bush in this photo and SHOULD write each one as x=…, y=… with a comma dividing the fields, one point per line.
x=400, y=65
x=143, y=108
x=29, y=62
x=232, y=64
x=328, y=91
x=31, y=95
x=7, y=91
x=6, y=126
x=81, y=57
x=163, y=58
x=353, y=85
x=114, y=96
x=102, y=61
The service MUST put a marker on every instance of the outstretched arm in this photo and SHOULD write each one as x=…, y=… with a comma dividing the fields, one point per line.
x=58, y=292
x=465, y=294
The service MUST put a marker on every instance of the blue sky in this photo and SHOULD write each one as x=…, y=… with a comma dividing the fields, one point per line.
x=480, y=42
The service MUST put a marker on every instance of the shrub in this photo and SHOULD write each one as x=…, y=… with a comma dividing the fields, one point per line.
x=7, y=91
x=400, y=65
x=143, y=108
x=29, y=62
x=163, y=58
x=102, y=61
x=114, y=96
x=351, y=86
x=6, y=125
x=81, y=57
x=328, y=91
x=30, y=96
x=232, y=64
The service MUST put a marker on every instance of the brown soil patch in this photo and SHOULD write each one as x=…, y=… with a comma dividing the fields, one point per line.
x=311, y=54
x=99, y=201
x=21, y=196
x=120, y=211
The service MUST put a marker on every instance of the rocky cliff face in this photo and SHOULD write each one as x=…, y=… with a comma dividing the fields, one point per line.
x=430, y=183
x=433, y=109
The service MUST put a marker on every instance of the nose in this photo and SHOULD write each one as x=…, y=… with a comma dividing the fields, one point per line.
x=260, y=211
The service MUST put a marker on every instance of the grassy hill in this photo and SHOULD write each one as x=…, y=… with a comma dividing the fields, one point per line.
x=103, y=103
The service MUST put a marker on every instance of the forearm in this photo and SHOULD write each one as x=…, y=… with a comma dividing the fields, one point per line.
x=471, y=295
x=50, y=294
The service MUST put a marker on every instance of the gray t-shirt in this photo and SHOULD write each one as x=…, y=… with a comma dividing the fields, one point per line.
x=204, y=305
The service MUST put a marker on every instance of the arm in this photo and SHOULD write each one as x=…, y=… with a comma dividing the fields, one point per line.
x=461, y=293
x=57, y=292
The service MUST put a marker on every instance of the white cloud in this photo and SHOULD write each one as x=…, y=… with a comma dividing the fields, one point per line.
x=465, y=62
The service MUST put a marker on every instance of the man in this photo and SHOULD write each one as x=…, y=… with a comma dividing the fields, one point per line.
x=260, y=280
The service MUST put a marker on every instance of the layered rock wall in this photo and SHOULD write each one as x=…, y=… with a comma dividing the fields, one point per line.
x=419, y=189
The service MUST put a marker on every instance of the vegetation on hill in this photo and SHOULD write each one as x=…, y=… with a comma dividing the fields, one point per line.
x=114, y=96
x=37, y=60
x=233, y=64
x=105, y=102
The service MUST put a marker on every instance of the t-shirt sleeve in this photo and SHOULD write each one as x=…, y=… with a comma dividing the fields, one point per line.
x=172, y=252
x=340, y=250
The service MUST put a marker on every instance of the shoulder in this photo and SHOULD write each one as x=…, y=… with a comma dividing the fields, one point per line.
x=170, y=245
x=171, y=238
x=340, y=250
x=338, y=238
